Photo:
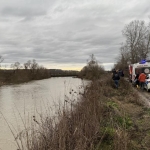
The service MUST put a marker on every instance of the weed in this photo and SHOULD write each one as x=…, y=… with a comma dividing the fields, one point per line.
x=112, y=104
x=124, y=121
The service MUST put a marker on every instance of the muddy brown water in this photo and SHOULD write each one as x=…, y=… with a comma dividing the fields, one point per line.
x=22, y=101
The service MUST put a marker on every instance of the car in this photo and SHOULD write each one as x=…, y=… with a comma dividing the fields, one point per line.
x=147, y=83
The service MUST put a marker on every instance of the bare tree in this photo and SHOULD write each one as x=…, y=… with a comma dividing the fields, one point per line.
x=34, y=64
x=124, y=56
x=1, y=60
x=31, y=65
x=16, y=65
x=27, y=65
x=137, y=44
x=92, y=70
x=137, y=40
x=92, y=61
x=12, y=66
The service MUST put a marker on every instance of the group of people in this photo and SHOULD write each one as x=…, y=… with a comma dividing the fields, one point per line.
x=140, y=80
x=116, y=74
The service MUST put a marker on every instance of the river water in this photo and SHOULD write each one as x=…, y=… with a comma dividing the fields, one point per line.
x=22, y=101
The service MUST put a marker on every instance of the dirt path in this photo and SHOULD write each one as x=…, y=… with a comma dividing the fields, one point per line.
x=144, y=95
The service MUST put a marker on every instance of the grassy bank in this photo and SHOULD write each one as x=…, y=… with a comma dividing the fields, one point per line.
x=104, y=119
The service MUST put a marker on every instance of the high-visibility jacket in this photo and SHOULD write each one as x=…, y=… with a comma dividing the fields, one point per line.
x=142, y=77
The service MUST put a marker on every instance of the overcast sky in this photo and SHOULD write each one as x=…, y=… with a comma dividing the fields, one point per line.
x=63, y=33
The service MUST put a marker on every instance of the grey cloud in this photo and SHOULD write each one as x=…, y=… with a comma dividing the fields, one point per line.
x=25, y=8
x=65, y=32
x=12, y=11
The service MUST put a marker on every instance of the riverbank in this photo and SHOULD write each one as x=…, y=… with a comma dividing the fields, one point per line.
x=104, y=118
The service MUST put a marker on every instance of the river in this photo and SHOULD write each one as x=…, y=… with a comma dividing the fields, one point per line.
x=22, y=101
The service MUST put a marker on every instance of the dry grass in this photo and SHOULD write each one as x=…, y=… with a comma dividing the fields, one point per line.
x=103, y=119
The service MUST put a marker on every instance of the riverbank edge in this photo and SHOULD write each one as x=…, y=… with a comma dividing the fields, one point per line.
x=104, y=118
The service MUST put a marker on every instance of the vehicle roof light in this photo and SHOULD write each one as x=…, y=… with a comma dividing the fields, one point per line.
x=142, y=62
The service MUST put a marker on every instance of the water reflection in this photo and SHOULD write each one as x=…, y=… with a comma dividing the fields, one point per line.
x=27, y=99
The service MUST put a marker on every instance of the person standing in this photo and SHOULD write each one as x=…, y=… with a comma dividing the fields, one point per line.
x=141, y=79
x=116, y=78
x=137, y=79
x=120, y=72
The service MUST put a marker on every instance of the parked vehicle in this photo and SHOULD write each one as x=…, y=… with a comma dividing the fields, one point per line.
x=137, y=68
x=147, y=83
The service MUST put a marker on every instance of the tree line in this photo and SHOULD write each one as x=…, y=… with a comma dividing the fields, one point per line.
x=31, y=65
x=18, y=73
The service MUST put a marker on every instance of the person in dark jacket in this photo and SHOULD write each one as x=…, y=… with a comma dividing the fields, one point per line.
x=116, y=78
x=137, y=80
x=120, y=72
